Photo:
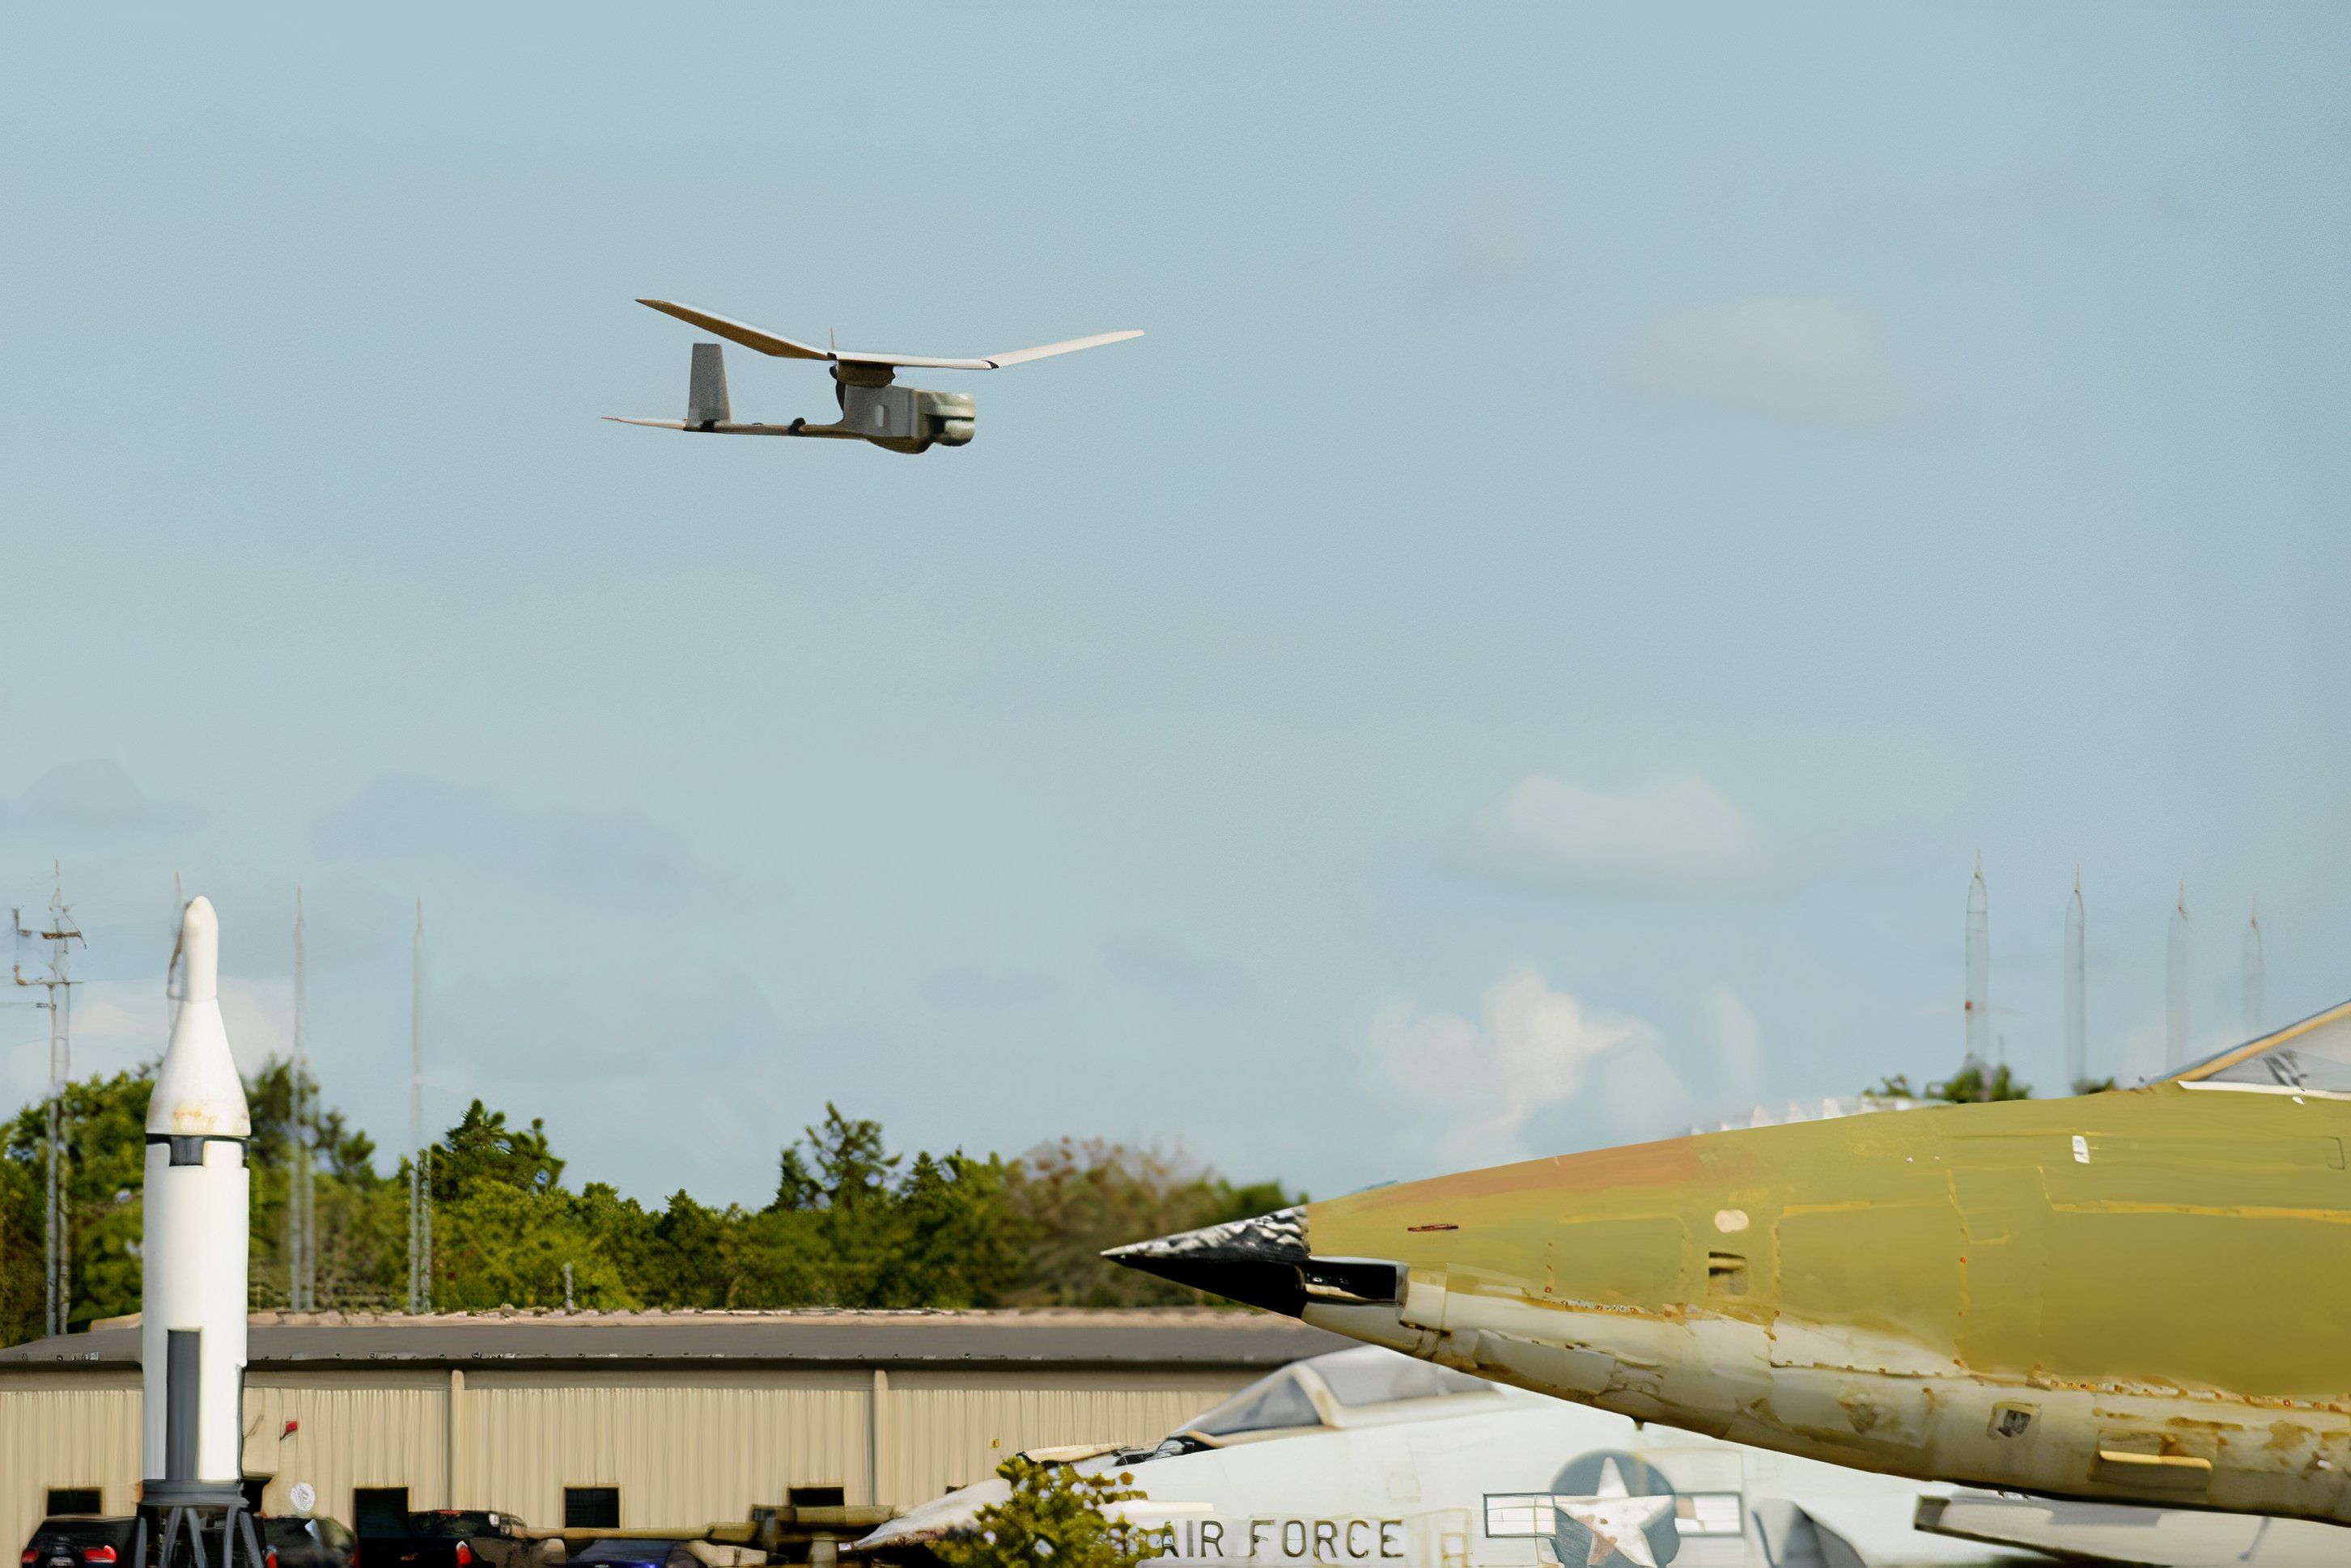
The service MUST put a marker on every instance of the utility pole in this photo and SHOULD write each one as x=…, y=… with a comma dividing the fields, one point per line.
x=59, y=934
x=420, y=1188
x=301, y=1210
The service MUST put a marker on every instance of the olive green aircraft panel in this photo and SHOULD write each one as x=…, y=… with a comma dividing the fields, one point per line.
x=2003, y=1254
x=1643, y=1260
x=1889, y=1269
x=2140, y=1295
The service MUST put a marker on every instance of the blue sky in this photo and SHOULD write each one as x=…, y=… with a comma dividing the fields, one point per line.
x=1614, y=511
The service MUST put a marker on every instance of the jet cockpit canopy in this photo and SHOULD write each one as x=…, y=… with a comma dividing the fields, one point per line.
x=1360, y=1387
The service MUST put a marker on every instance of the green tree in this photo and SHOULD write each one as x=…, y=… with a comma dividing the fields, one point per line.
x=502, y=1245
x=105, y=1169
x=483, y=1150
x=688, y=1246
x=845, y=1166
x=1970, y=1086
x=853, y=1222
x=22, y=1300
x=848, y=1229
x=951, y=1241
x=1056, y=1513
x=1070, y=1200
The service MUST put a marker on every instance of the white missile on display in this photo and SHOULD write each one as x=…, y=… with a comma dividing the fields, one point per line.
x=195, y=1243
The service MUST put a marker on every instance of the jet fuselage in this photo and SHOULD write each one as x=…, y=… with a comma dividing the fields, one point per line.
x=2136, y=1296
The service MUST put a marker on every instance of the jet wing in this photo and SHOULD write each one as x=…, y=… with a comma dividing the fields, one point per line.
x=2128, y=1536
x=766, y=342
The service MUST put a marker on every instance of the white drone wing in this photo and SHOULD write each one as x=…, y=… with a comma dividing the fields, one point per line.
x=787, y=348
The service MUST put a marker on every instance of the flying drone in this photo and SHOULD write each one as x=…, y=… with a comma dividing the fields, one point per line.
x=873, y=407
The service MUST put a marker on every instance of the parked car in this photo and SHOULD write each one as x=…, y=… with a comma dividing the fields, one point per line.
x=633, y=1551
x=620, y=1552
x=462, y=1538
x=80, y=1540
x=294, y=1541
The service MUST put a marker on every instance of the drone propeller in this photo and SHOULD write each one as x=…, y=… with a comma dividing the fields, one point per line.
x=787, y=348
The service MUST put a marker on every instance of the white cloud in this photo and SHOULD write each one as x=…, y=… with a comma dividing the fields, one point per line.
x=117, y=1024
x=1470, y=1089
x=1640, y=1096
x=1791, y=356
x=1736, y=1040
x=86, y=803
x=1674, y=834
x=1493, y=232
x=968, y=987
x=579, y=855
x=1162, y=966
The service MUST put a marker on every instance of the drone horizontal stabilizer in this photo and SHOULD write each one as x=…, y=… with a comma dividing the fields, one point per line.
x=796, y=428
x=787, y=348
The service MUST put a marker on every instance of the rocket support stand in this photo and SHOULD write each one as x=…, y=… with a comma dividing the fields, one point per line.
x=236, y=1529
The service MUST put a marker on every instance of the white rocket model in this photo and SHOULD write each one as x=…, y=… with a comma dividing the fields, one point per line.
x=198, y=1201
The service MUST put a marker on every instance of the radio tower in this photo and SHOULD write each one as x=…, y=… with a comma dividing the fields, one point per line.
x=301, y=1207
x=2256, y=1009
x=2077, y=999
x=59, y=932
x=1978, y=1003
x=2175, y=988
x=420, y=1189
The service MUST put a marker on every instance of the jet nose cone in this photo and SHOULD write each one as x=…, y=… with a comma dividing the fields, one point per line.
x=1257, y=1261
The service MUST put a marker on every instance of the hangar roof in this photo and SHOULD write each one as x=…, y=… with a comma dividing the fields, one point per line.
x=1205, y=1336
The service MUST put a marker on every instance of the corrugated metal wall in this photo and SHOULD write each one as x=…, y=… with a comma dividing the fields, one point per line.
x=943, y=1430
x=66, y=1430
x=683, y=1448
x=355, y=1429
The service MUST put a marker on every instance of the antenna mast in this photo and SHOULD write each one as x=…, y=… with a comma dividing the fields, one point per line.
x=1978, y=1011
x=302, y=1221
x=2256, y=1009
x=2175, y=988
x=59, y=932
x=420, y=1188
x=2077, y=1002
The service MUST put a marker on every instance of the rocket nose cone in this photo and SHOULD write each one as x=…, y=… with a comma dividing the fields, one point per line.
x=1260, y=1261
x=199, y=952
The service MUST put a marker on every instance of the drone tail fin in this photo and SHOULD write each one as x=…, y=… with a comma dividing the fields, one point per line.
x=706, y=393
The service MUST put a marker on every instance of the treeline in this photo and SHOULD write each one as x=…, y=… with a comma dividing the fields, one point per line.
x=851, y=1224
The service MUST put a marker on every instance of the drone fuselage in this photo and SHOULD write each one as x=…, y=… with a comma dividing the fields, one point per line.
x=873, y=408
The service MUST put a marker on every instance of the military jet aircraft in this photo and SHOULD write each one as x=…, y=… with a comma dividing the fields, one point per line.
x=2137, y=1296
x=1362, y=1456
x=895, y=418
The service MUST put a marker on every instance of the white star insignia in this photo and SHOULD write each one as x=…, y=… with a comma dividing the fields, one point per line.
x=1619, y=1525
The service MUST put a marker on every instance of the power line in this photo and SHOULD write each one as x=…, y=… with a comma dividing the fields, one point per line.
x=59, y=932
